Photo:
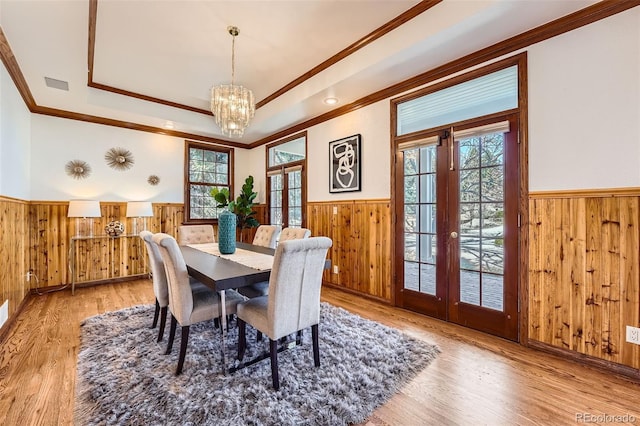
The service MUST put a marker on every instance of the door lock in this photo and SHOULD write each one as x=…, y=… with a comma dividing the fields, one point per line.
x=454, y=234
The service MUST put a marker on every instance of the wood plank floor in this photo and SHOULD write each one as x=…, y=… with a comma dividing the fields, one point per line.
x=477, y=379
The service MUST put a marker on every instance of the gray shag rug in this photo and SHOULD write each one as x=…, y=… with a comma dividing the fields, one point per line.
x=124, y=378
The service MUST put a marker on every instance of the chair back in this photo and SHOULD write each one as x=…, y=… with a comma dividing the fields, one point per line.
x=160, y=286
x=180, y=296
x=267, y=235
x=294, y=285
x=195, y=234
x=294, y=234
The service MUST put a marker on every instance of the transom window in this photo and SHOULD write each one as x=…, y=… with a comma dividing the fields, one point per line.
x=206, y=167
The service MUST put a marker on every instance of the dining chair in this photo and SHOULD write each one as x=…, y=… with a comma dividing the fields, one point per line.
x=266, y=236
x=186, y=304
x=195, y=234
x=159, y=279
x=293, y=303
x=294, y=234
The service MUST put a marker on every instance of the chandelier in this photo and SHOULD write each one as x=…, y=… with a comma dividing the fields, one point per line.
x=232, y=105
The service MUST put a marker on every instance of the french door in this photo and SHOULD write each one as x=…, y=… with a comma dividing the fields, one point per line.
x=457, y=228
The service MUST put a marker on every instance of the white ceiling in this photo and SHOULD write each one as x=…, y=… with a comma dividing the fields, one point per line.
x=176, y=50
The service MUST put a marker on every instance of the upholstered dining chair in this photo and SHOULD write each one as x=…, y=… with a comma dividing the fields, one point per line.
x=293, y=303
x=294, y=234
x=195, y=234
x=186, y=304
x=159, y=279
x=266, y=236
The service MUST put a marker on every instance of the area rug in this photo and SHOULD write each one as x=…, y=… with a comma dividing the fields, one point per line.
x=125, y=378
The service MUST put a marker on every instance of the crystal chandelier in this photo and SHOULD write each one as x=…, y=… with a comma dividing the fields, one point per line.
x=232, y=105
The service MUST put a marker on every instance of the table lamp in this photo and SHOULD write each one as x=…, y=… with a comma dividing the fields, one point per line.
x=84, y=211
x=139, y=210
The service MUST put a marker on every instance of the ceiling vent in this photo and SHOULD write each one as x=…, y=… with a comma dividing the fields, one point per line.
x=56, y=84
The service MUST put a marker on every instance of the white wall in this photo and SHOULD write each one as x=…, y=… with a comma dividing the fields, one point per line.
x=584, y=107
x=15, y=140
x=372, y=123
x=56, y=141
x=584, y=117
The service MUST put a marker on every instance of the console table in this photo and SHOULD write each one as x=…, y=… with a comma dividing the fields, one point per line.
x=103, y=257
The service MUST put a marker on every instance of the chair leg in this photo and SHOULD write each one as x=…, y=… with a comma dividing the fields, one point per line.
x=172, y=334
x=258, y=336
x=299, y=337
x=155, y=315
x=242, y=338
x=216, y=323
x=316, y=348
x=163, y=321
x=183, y=348
x=273, y=350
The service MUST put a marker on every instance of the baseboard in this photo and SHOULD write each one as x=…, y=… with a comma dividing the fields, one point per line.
x=620, y=370
x=365, y=295
x=4, y=331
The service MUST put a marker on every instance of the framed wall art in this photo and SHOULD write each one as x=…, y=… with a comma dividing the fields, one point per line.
x=344, y=164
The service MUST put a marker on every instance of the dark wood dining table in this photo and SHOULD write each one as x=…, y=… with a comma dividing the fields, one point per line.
x=222, y=274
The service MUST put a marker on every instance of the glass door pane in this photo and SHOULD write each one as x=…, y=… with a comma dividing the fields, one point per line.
x=295, y=198
x=481, y=220
x=420, y=219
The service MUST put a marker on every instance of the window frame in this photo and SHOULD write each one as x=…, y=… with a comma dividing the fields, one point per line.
x=187, y=182
x=285, y=181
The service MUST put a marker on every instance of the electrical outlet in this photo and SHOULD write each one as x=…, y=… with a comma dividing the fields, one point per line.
x=335, y=209
x=335, y=269
x=28, y=276
x=633, y=335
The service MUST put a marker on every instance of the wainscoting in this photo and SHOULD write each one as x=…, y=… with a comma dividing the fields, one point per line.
x=361, y=234
x=14, y=244
x=584, y=272
x=584, y=259
x=99, y=259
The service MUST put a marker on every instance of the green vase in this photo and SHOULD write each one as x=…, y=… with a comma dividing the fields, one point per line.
x=227, y=232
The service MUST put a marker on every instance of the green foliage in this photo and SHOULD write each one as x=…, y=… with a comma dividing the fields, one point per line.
x=242, y=206
x=221, y=196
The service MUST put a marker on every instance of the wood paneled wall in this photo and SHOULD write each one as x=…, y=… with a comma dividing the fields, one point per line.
x=361, y=234
x=98, y=259
x=14, y=244
x=51, y=232
x=584, y=284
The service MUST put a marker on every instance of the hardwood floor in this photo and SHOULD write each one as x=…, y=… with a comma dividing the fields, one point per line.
x=477, y=379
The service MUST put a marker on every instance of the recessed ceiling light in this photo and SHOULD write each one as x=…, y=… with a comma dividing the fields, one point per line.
x=331, y=101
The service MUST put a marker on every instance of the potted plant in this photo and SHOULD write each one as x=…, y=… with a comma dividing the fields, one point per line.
x=238, y=213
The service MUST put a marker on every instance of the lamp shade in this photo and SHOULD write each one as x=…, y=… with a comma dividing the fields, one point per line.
x=84, y=208
x=139, y=209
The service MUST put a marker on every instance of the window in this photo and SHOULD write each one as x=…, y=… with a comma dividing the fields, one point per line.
x=206, y=167
x=286, y=181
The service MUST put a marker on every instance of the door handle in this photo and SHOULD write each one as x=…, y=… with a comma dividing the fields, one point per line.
x=454, y=234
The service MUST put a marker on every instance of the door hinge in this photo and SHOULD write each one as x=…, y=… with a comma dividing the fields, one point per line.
x=519, y=220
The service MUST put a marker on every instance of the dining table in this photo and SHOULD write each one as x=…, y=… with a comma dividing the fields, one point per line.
x=222, y=272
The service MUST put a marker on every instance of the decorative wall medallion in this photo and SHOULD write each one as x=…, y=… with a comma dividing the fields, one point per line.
x=119, y=158
x=78, y=169
x=114, y=228
x=153, y=180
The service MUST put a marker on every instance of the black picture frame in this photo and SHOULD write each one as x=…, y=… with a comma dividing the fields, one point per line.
x=345, y=164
